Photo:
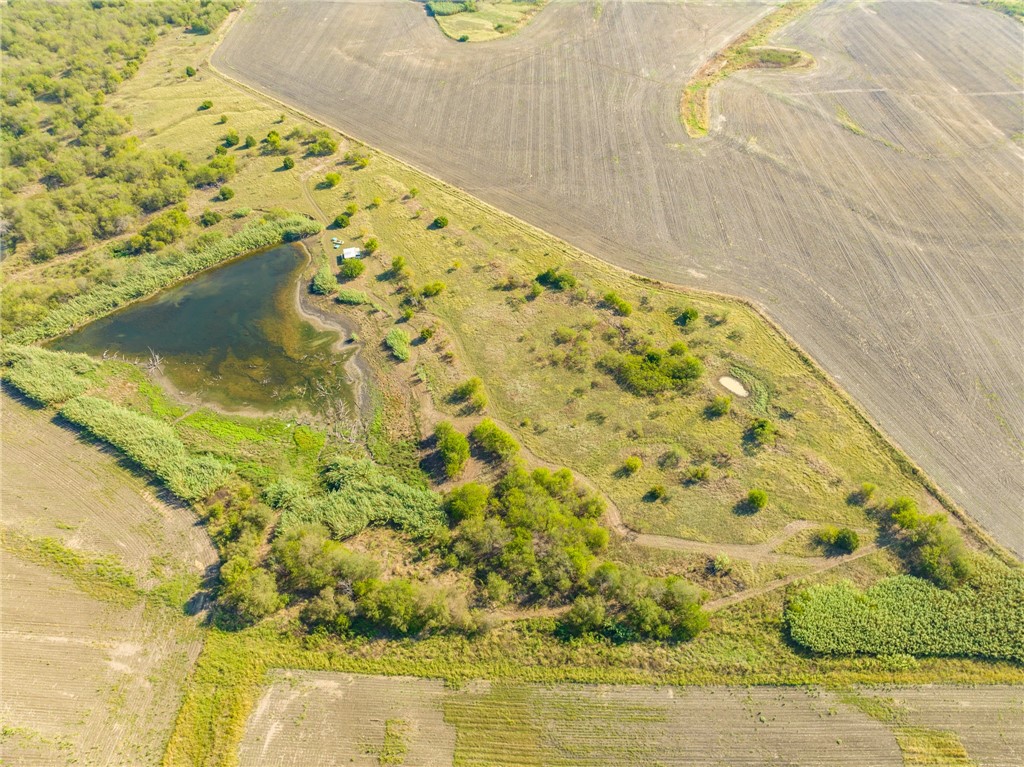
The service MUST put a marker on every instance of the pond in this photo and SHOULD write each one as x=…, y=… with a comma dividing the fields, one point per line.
x=232, y=336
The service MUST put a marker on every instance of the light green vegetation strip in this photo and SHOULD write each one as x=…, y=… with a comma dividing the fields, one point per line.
x=151, y=444
x=742, y=53
x=158, y=270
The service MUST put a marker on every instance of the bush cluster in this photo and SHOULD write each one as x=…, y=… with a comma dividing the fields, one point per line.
x=453, y=448
x=651, y=372
x=557, y=279
x=494, y=441
x=324, y=282
x=932, y=545
x=397, y=340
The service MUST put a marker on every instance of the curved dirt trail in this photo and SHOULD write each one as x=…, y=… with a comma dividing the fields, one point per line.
x=756, y=553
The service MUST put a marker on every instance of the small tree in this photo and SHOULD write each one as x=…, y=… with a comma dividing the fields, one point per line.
x=397, y=340
x=351, y=268
x=371, y=245
x=440, y=222
x=331, y=180
x=351, y=209
x=324, y=282
x=190, y=71
x=206, y=105
x=687, y=316
x=719, y=406
x=469, y=500
x=341, y=221
x=587, y=615
x=288, y=163
x=763, y=431
x=453, y=448
x=847, y=540
x=431, y=289
x=231, y=138
x=209, y=218
x=225, y=193
x=632, y=465
x=250, y=141
x=757, y=499
x=223, y=119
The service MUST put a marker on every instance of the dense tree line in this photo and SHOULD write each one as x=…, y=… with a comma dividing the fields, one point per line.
x=73, y=174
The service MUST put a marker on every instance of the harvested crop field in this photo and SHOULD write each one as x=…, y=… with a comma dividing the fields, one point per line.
x=870, y=203
x=56, y=483
x=315, y=718
x=92, y=666
x=85, y=681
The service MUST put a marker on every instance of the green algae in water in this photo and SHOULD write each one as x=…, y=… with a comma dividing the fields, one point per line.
x=232, y=336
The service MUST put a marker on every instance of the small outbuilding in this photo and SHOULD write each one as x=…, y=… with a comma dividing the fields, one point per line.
x=350, y=253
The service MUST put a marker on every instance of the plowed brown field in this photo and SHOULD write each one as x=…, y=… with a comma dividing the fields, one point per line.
x=87, y=681
x=321, y=718
x=872, y=204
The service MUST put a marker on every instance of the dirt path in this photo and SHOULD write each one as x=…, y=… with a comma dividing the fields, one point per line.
x=756, y=553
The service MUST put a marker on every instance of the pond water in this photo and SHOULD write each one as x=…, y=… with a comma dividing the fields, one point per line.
x=232, y=336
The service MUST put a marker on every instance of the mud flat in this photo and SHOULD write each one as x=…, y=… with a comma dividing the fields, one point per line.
x=870, y=204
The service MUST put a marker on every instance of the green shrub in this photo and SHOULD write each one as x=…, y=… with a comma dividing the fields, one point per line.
x=231, y=138
x=250, y=141
x=617, y=304
x=352, y=297
x=342, y=221
x=210, y=217
x=719, y=406
x=248, y=590
x=151, y=444
x=431, y=289
x=465, y=391
x=440, y=222
x=206, y=105
x=225, y=193
x=632, y=465
x=687, y=317
x=322, y=144
x=587, y=615
x=324, y=282
x=351, y=268
x=453, y=448
x=444, y=7
x=842, y=539
x=696, y=474
x=351, y=209
x=757, y=499
x=191, y=72
x=557, y=279
x=331, y=180
x=397, y=340
x=907, y=615
x=287, y=163
x=371, y=245
x=494, y=441
x=933, y=546
x=763, y=432
x=465, y=501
